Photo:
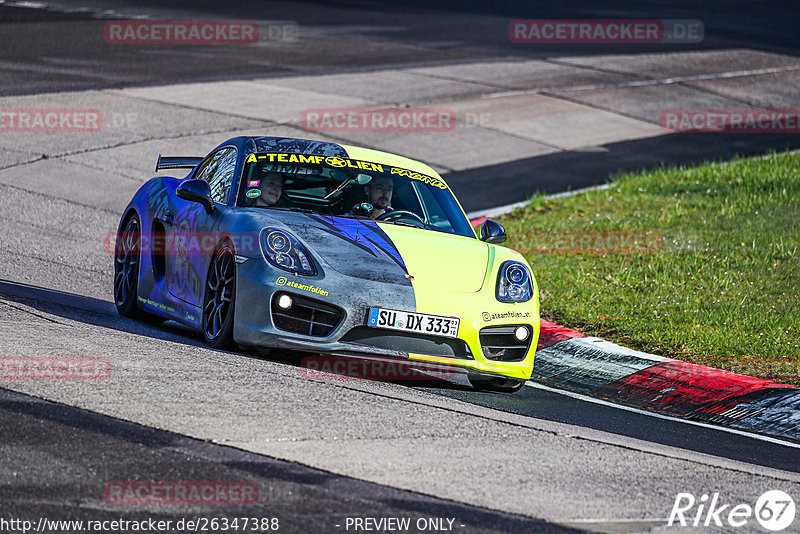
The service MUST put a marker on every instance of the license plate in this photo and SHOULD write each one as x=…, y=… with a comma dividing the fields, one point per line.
x=421, y=323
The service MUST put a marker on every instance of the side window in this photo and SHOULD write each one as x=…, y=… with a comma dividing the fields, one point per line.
x=442, y=210
x=217, y=170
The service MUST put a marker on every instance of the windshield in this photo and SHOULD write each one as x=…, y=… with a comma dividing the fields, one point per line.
x=350, y=188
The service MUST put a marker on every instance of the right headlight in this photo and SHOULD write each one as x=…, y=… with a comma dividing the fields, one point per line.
x=514, y=282
x=283, y=251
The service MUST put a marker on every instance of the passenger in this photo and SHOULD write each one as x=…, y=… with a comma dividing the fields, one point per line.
x=271, y=186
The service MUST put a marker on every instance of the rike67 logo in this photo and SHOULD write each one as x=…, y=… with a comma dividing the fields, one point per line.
x=774, y=511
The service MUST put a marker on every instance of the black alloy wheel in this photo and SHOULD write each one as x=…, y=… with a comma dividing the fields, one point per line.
x=220, y=296
x=126, y=268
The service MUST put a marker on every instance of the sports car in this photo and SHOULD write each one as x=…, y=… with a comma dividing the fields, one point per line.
x=319, y=247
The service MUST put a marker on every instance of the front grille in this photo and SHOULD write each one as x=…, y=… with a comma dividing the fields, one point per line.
x=306, y=316
x=407, y=342
x=500, y=344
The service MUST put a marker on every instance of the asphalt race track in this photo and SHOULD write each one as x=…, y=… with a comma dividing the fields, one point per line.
x=324, y=452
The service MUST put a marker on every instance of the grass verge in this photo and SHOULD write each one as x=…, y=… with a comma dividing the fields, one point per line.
x=700, y=264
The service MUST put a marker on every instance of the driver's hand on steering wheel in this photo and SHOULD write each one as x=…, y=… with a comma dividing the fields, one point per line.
x=392, y=216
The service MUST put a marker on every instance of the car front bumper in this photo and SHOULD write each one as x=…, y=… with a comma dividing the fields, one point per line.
x=254, y=322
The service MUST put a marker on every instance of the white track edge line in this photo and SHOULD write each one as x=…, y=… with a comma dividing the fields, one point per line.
x=508, y=208
x=594, y=400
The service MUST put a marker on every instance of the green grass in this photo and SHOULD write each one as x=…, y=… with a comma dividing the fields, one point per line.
x=717, y=281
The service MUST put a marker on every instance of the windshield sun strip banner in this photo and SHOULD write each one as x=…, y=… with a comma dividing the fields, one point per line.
x=337, y=162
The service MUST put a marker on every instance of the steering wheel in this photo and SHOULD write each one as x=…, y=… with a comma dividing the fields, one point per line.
x=391, y=216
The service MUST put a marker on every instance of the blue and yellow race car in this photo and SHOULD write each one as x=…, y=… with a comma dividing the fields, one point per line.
x=326, y=248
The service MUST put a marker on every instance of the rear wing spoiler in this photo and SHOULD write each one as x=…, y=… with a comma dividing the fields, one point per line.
x=177, y=162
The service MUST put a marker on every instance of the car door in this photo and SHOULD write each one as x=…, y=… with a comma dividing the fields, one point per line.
x=193, y=231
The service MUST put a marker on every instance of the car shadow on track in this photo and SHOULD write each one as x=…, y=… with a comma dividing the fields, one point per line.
x=102, y=313
x=90, y=310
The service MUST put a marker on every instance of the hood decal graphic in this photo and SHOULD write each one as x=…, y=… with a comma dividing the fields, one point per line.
x=363, y=234
x=397, y=259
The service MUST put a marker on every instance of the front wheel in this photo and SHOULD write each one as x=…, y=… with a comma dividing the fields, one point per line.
x=220, y=296
x=500, y=385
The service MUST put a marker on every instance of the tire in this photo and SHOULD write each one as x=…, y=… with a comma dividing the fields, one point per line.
x=126, y=272
x=126, y=268
x=219, y=299
x=500, y=385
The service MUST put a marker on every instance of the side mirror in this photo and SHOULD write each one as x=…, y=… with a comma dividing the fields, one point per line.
x=493, y=232
x=197, y=190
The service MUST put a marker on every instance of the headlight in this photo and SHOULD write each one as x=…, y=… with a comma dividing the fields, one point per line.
x=285, y=252
x=514, y=282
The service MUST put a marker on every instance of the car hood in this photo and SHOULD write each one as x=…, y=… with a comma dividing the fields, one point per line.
x=392, y=253
x=439, y=261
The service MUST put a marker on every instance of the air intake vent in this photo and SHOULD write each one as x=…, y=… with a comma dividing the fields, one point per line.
x=500, y=343
x=407, y=342
x=305, y=316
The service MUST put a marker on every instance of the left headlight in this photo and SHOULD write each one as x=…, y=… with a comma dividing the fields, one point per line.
x=514, y=282
x=285, y=252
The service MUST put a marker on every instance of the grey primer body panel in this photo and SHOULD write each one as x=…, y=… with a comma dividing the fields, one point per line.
x=358, y=267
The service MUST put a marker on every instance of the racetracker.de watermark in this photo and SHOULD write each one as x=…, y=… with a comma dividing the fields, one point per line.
x=605, y=31
x=197, y=32
x=54, y=368
x=731, y=120
x=768, y=370
x=340, y=368
x=590, y=242
x=176, y=243
x=50, y=120
x=378, y=120
x=145, y=493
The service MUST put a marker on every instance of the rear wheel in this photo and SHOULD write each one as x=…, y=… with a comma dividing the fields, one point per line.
x=127, y=252
x=126, y=268
x=220, y=296
x=501, y=385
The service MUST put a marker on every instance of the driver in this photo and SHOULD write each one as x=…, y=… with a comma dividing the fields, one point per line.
x=379, y=194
